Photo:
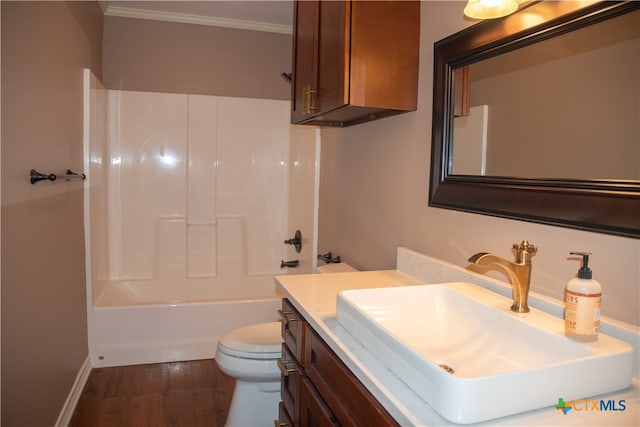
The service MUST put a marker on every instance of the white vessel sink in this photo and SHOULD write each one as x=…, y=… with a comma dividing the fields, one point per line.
x=461, y=349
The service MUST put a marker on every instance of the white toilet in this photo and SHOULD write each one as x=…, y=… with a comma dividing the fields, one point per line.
x=249, y=355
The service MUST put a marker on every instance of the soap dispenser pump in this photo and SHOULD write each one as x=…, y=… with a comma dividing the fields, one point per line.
x=582, y=298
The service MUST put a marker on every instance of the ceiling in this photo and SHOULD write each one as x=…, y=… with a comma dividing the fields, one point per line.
x=260, y=15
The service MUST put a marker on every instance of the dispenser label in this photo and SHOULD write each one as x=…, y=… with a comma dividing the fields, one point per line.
x=582, y=313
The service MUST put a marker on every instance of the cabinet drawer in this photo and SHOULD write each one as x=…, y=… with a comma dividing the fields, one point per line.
x=292, y=330
x=349, y=400
x=290, y=383
x=284, y=420
x=315, y=412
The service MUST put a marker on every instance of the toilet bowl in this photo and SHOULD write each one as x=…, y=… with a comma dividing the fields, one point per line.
x=249, y=355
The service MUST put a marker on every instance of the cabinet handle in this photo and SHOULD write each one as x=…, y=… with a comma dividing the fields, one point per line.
x=284, y=316
x=308, y=100
x=284, y=370
x=278, y=423
x=311, y=105
x=305, y=99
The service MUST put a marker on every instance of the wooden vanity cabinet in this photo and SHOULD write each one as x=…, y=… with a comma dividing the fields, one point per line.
x=317, y=388
x=354, y=61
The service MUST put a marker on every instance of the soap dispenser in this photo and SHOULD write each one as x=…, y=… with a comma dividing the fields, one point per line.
x=582, y=298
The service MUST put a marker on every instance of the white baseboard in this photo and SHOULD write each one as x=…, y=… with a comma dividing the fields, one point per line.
x=74, y=395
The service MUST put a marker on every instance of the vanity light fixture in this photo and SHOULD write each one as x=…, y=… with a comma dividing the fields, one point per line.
x=490, y=9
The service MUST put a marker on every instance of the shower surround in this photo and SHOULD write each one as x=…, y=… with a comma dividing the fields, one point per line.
x=188, y=201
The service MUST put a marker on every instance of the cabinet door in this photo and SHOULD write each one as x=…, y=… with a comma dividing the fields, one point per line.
x=333, y=57
x=320, y=58
x=348, y=399
x=304, y=62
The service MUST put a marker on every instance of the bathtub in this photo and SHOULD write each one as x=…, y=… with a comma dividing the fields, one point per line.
x=151, y=322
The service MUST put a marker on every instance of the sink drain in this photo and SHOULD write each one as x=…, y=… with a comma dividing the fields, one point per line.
x=448, y=369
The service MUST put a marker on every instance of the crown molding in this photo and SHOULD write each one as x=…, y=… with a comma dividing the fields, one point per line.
x=128, y=12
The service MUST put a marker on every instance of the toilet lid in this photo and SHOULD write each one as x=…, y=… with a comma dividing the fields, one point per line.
x=258, y=341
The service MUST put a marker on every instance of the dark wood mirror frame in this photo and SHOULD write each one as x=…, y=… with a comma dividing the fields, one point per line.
x=604, y=206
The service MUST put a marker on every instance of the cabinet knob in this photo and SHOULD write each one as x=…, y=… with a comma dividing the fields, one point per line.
x=296, y=241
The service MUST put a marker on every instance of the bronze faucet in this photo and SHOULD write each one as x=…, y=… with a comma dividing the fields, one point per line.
x=519, y=272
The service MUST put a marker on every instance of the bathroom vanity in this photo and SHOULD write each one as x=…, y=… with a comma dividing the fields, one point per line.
x=317, y=388
x=332, y=377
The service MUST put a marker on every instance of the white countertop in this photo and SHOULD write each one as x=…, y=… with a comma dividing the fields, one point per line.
x=314, y=295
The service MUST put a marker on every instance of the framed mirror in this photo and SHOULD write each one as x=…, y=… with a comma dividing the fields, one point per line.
x=509, y=141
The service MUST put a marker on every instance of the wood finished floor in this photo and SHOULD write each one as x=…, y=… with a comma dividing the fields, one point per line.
x=189, y=394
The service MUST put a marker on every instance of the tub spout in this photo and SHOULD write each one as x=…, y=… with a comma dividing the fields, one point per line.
x=289, y=264
x=518, y=272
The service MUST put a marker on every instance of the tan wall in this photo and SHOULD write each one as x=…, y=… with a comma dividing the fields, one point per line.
x=196, y=59
x=374, y=195
x=44, y=327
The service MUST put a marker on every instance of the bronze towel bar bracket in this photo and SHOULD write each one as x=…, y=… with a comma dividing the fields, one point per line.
x=36, y=176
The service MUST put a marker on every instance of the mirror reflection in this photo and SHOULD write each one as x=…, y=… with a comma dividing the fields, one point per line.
x=567, y=107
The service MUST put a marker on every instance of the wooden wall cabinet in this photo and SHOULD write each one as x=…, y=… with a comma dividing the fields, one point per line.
x=317, y=388
x=354, y=61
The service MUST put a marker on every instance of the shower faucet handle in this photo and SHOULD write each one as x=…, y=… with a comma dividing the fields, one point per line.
x=329, y=259
x=326, y=257
x=296, y=241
